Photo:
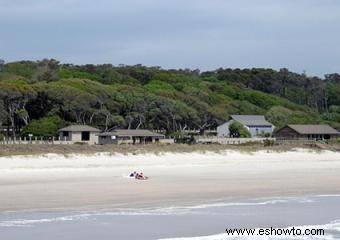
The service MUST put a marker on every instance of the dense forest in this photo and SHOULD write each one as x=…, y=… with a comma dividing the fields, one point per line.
x=41, y=96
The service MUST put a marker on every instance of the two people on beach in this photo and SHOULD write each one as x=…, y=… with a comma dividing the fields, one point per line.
x=139, y=176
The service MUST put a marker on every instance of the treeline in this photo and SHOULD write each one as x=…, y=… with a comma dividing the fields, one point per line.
x=41, y=96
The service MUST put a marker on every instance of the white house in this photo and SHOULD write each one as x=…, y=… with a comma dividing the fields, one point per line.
x=79, y=133
x=257, y=125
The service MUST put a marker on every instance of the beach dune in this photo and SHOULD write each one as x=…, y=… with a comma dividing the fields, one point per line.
x=99, y=181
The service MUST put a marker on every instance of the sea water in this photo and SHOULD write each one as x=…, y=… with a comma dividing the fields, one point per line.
x=206, y=221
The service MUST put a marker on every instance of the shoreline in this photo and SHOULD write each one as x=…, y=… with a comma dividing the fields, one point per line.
x=158, y=209
x=175, y=205
x=179, y=222
x=89, y=182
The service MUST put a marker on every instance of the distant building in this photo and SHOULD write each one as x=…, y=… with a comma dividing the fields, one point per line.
x=79, y=133
x=134, y=136
x=257, y=125
x=312, y=132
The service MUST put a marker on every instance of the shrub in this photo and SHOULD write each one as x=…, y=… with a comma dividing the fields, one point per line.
x=267, y=135
x=185, y=139
x=268, y=142
x=44, y=127
x=81, y=143
x=236, y=129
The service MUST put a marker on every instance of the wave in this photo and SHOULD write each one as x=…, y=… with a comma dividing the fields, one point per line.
x=172, y=210
x=31, y=222
x=332, y=230
x=266, y=202
x=92, y=215
x=327, y=196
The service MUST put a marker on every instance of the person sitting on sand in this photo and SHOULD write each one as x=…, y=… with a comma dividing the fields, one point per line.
x=140, y=176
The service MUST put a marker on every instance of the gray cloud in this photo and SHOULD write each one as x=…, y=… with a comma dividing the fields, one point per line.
x=300, y=35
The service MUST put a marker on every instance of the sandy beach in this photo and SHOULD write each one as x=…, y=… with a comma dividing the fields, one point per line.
x=100, y=181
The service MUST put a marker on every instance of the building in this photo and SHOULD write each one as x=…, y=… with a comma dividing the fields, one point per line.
x=134, y=136
x=79, y=133
x=312, y=132
x=257, y=125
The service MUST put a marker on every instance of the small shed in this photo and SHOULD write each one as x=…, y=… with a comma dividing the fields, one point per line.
x=257, y=125
x=134, y=136
x=79, y=133
x=307, y=131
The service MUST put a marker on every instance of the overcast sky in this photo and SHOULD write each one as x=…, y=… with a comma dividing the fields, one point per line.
x=205, y=34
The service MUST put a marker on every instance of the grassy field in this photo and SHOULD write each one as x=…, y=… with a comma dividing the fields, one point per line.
x=34, y=149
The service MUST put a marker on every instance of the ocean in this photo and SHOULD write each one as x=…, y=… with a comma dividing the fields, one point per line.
x=207, y=221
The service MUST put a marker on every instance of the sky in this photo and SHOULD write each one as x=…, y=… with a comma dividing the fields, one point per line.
x=301, y=35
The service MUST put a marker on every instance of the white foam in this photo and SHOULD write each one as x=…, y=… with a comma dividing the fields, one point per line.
x=32, y=222
x=327, y=195
x=333, y=227
x=173, y=210
x=269, y=202
x=92, y=215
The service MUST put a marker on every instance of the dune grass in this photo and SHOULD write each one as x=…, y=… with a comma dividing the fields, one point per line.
x=37, y=149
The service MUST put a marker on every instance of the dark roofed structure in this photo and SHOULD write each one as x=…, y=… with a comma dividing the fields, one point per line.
x=313, y=129
x=79, y=128
x=250, y=120
x=131, y=133
x=307, y=131
x=79, y=133
x=129, y=136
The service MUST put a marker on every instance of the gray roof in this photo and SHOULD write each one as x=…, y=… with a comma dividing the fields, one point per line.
x=251, y=120
x=79, y=128
x=313, y=129
x=131, y=133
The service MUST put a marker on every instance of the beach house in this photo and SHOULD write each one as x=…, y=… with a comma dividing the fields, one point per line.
x=134, y=136
x=79, y=133
x=257, y=125
x=307, y=131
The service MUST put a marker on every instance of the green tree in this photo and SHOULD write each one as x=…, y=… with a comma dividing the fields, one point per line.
x=279, y=116
x=2, y=64
x=236, y=129
x=47, y=70
x=150, y=97
x=44, y=127
x=14, y=96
